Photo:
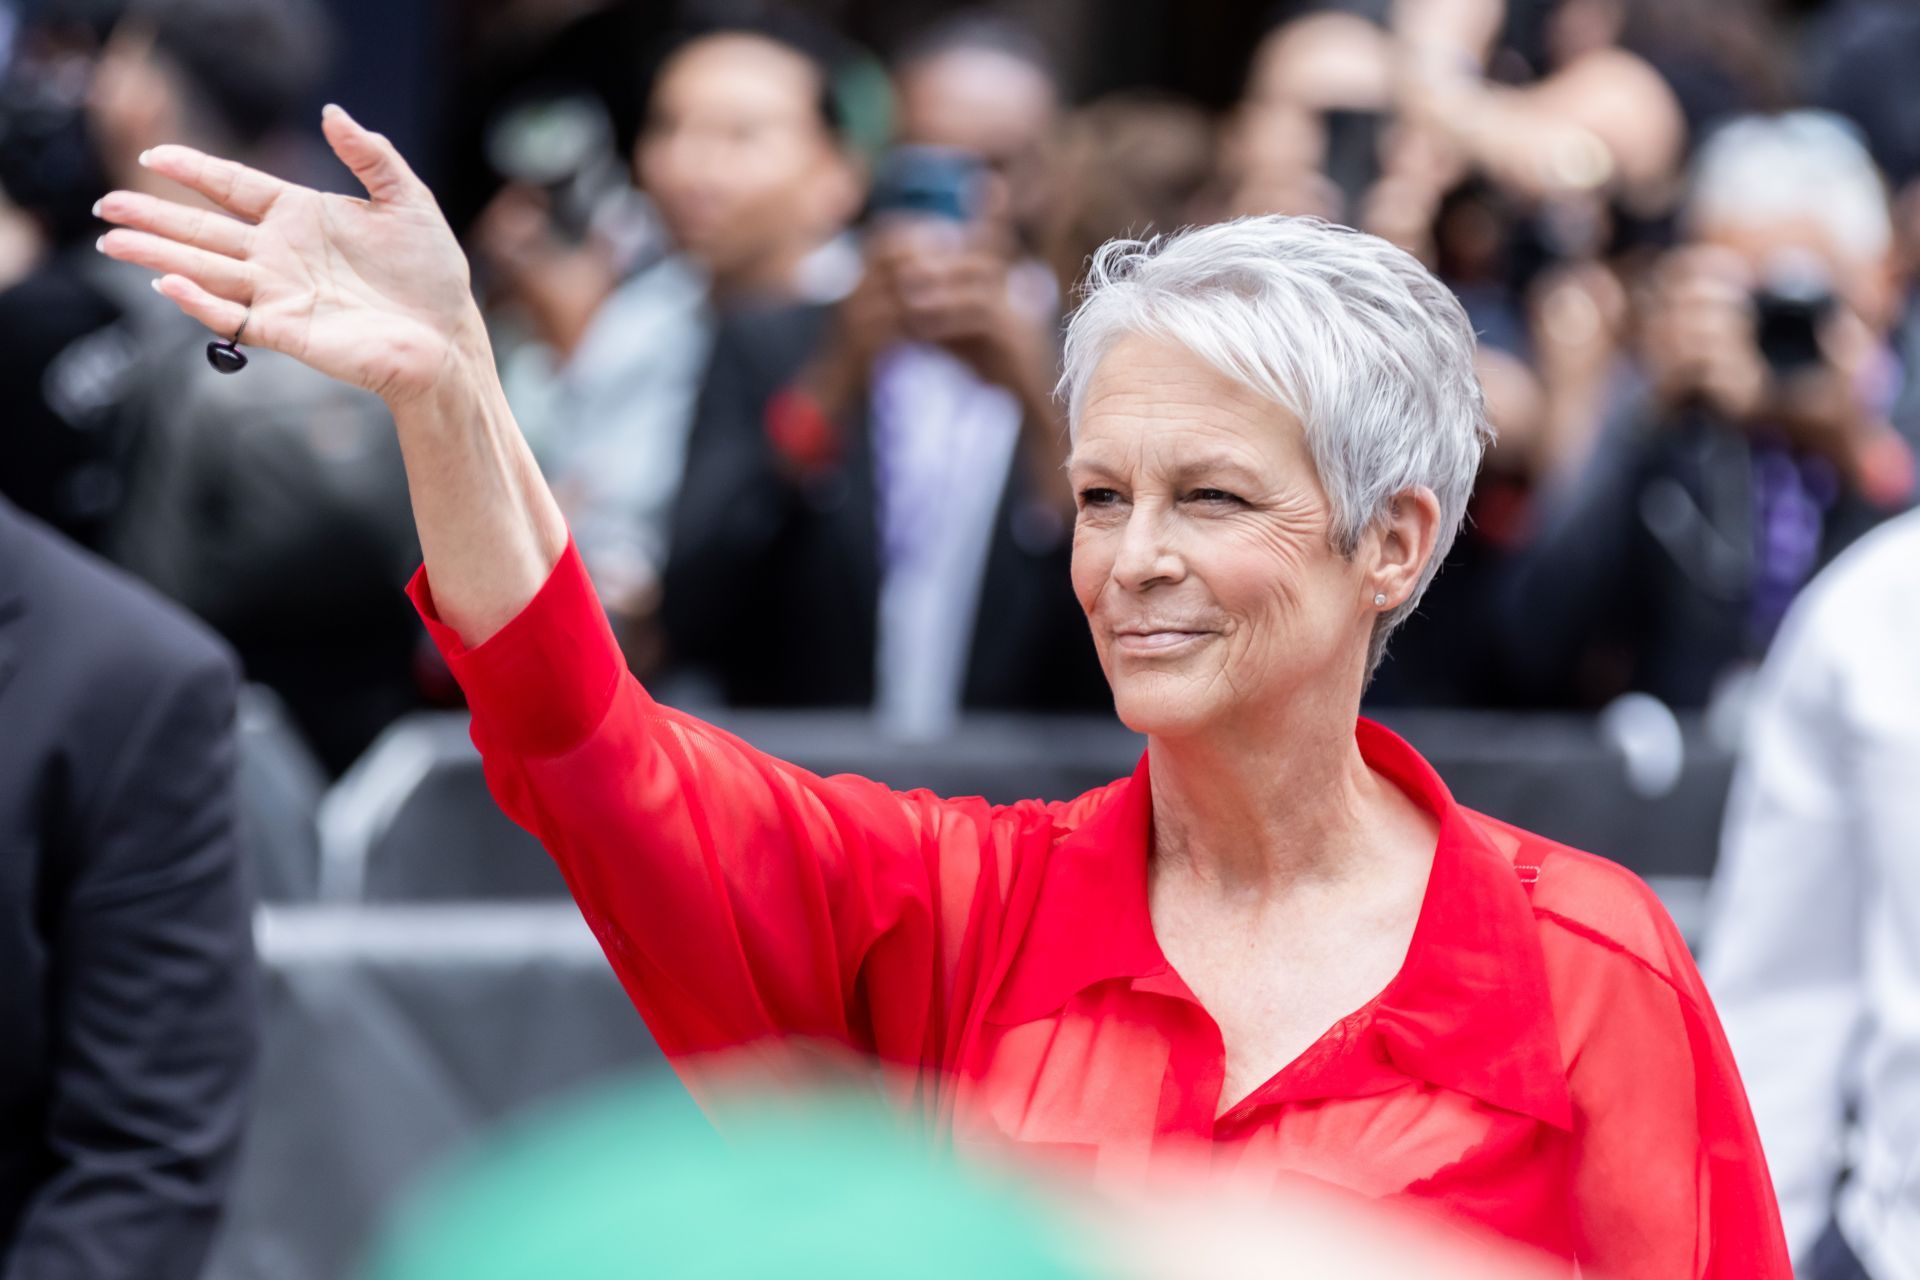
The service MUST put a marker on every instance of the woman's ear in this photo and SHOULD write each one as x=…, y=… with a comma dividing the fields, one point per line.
x=1400, y=547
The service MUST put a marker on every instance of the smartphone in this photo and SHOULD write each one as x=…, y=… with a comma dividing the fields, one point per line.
x=940, y=183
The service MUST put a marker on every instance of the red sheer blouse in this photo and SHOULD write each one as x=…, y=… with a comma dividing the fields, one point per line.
x=1546, y=1064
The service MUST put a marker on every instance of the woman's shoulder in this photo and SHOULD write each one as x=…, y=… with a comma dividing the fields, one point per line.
x=1586, y=903
x=1070, y=815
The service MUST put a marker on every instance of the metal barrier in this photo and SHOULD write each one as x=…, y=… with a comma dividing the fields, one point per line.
x=412, y=821
x=393, y=1036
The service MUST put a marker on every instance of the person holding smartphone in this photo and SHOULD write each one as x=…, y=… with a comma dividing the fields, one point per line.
x=899, y=454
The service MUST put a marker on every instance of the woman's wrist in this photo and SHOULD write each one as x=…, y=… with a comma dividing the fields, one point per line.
x=490, y=529
x=466, y=376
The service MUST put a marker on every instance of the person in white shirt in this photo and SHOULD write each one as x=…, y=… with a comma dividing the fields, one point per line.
x=1813, y=952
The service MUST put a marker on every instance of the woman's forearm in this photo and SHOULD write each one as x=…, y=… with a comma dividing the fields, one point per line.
x=490, y=530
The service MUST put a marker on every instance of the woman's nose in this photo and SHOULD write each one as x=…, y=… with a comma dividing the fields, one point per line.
x=1146, y=555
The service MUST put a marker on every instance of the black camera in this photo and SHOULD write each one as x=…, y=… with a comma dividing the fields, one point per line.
x=560, y=141
x=1790, y=308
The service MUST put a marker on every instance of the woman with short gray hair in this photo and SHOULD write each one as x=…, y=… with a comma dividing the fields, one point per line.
x=1280, y=945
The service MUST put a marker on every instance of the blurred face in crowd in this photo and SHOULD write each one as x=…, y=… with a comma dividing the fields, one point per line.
x=133, y=101
x=745, y=172
x=1748, y=252
x=1201, y=551
x=999, y=107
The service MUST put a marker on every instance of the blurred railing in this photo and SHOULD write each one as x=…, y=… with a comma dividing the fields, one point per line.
x=393, y=1036
x=412, y=821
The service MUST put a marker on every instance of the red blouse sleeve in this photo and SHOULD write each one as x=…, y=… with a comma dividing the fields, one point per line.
x=738, y=897
x=1669, y=1179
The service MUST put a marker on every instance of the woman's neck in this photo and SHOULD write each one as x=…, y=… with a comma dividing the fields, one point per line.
x=1257, y=811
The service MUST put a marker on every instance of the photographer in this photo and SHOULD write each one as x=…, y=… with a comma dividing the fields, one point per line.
x=1759, y=445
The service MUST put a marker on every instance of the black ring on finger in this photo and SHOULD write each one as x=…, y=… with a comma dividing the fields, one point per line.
x=226, y=357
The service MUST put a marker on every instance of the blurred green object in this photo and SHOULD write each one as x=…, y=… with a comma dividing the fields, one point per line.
x=632, y=1180
x=863, y=91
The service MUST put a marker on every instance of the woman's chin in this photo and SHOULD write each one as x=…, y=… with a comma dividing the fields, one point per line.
x=1161, y=708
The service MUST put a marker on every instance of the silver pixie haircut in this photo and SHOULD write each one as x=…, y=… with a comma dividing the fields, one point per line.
x=1346, y=332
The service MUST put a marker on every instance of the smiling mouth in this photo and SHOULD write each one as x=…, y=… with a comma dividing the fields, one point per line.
x=1156, y=642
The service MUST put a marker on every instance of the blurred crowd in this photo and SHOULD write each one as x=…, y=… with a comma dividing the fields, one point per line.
x=778, y=293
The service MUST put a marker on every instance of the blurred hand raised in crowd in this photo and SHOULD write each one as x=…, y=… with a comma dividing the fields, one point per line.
x=951, y=289
x=939, y=283
x=1578, y=317
x=559, y=283
x=864, y=324
x=373, y=292
x=953, y=286
x=1697, y=335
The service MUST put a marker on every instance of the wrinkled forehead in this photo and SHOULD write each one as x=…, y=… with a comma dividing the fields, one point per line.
x=1153, y=405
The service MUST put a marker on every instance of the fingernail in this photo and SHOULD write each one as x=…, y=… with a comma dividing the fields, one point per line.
x=146, y=157
x=96, y=205
x=101, y=244
x=155, y=282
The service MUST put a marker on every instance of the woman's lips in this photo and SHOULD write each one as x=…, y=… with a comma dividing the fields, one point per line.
x=1157, y=642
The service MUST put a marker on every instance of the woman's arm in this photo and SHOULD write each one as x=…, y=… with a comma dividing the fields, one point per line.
x=376, y=293
x=742, y=900
x=739, y=898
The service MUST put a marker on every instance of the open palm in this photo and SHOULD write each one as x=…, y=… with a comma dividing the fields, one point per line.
x=373, y=292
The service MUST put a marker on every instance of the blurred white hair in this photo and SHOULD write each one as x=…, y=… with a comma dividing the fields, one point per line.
x=1348, y=333
x=1758, y=171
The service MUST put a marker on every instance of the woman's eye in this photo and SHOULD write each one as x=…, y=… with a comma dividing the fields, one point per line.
x=1213, y=495
x=1099, y=497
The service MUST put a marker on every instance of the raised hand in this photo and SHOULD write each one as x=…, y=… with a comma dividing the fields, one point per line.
x=373, y=292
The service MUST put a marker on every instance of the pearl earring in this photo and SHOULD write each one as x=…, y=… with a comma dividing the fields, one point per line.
x=1379, y=598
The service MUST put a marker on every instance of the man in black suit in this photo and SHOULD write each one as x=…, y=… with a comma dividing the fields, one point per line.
x=127, y=992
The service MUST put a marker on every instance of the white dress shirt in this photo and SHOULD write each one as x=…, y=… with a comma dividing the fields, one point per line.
x=944, y=442
x=1813, y=953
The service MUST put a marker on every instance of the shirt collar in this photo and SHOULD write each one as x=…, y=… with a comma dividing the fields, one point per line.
x=1469, y=1010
